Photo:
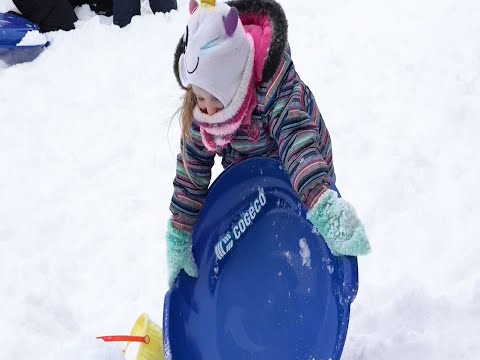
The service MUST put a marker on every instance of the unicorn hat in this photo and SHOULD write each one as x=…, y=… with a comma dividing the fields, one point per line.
x=217, y=50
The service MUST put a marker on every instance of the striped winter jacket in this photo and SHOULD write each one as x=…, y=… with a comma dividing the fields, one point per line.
x=286, y=124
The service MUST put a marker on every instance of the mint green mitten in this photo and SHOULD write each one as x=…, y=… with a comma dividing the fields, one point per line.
x=338, y=223
x=179, y=253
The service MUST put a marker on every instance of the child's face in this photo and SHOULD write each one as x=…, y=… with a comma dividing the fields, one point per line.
x=207, y=103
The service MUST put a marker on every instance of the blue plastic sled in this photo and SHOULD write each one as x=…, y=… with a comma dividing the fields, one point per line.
x=268, y=286
x=12, y=30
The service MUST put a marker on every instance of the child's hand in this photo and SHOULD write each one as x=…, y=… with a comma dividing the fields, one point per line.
x=179, y=254
x=339, y=225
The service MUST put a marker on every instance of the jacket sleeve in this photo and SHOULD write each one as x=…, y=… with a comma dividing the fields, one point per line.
x=298, y=128
x=191, y=183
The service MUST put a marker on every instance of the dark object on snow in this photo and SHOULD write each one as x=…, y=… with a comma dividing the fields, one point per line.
x=53, y=15
x=50, y=15
x=163, y=5
x=100, y=7
x=124, y=10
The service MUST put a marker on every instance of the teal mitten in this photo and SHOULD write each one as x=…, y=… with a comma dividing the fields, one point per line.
x=338, y=223
x=179, y=254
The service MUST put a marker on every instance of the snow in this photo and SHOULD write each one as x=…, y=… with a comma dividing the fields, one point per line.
x=327, y=262
x=33, y=38
x=87, y=158
x=8, y=5
x=305, y=253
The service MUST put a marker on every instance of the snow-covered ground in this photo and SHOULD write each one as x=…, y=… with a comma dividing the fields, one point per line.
x=87, y=158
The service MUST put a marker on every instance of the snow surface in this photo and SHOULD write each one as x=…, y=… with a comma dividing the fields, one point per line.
x=33, y=38
x=87, y=158
x=7, y=5
x=305, y=253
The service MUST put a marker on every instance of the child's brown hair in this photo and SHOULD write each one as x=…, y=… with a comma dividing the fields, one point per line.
x=186, y=114
x=186, y=118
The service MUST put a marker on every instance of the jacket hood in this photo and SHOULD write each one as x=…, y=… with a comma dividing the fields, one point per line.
x=258, y=12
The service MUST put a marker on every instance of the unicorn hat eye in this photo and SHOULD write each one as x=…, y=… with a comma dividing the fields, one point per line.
x=210, y=44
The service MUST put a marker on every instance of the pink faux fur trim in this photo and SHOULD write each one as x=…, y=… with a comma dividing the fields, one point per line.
x=260, y=29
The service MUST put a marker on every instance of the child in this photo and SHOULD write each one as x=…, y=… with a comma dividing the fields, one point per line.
x=243, y=99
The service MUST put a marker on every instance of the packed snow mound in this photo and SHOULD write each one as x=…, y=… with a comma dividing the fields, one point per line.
x=33, y=38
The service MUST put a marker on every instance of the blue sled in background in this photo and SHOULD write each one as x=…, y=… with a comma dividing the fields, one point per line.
x=13, y=29
x=268, y=286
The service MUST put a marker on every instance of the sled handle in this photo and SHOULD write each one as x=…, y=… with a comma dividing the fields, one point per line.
x=143, y=339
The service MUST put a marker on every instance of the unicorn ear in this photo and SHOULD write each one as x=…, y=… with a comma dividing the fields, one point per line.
x=231, y=21
x=193, y=6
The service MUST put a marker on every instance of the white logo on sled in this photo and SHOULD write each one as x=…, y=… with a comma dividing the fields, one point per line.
x=246, y=219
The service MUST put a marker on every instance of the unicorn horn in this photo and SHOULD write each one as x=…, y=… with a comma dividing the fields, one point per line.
x=208, y=2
